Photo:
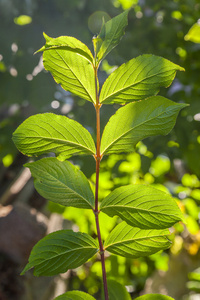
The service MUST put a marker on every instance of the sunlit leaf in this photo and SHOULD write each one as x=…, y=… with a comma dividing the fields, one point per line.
x=22, y=20
x=136, y=121
x=126, y=4
x=193, y=228
x=176, y=14
x=190, y=180
x=110, y=35
x=2, y=67
x=7, y=160
x=138, y=79
x=194, y=275
x=142, y=206
x=196, y=194
x=70, y=63
x=133, y=242
x=60, y=251
x=154, y=297
x=67, y=41
x=193, y=34
x=191, y=208
x=160, y=165
x=45, y=133
x=75, y=295
x=61, y=182
x=193, y=286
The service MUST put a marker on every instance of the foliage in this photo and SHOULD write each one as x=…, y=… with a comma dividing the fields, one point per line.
x=193, y=33
x=117, y=291
x=138, y=79
x=67, y=182
x=154, y=297
x=46, y=137
x=60, y=251
x=73, y=66
x=161, y=29
x=138, y=123
x=76, y=295
x=127, y=200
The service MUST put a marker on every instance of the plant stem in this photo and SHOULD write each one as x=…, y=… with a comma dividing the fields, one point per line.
x=96, y=211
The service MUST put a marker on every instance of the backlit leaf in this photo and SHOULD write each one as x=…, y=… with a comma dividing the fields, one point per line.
x=193, y=34
x=136, y=121
x=75, y=295
x=133, y=242
x=142, y=206
x=154, y=297
x=45, y=133
x=67, y=41
x=61, y=182
x=22, y=20
x=110, y=35
x=138, y=79
x=60, y=251
x=70, y=63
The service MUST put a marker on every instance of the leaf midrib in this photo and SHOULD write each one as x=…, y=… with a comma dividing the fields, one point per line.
x=76, y=77
x=67, y=252
x=89, y=54
x=133, y=208
x=118, y=25
x=135, y=240
x=63, y=184
x=131, y=85
x=133, y=128
x=59, y=140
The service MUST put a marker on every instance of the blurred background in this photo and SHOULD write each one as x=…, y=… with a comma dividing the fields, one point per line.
x=170, y=29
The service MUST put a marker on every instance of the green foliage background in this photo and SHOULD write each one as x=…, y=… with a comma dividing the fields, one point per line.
x=170, y=163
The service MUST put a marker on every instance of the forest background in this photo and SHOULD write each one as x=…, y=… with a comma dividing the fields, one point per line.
x=170, y=163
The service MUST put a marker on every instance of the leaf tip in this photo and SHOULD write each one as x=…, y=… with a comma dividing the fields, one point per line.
x=183, y=105
x=27, y=267
x=47, y=38
x=40, y=50
x=181, y=69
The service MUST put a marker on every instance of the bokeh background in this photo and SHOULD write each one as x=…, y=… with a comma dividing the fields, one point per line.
x=170, y=163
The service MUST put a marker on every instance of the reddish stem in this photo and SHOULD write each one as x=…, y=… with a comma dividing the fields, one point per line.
x=96, y=211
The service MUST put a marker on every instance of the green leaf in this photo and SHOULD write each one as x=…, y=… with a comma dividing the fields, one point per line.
x=22, y=20
x=154, y=297
x=67, y=41
x=142, y=206
x=110, y=35
x=133, y=242
x=136, y=121
x=70, y=63
x=60, y=251
x=75, y=295
x=117, y=291
x=193, y=34
x=45, y=133
x=138, y=79
x=193, y=286
x=61, y=182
